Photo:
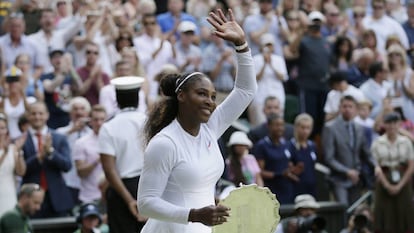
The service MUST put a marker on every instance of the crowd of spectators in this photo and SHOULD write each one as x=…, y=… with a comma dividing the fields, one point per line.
x=348, y=66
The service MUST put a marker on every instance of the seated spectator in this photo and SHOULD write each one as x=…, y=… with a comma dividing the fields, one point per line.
x=242, y=166
x=364, y=111
x=30, y=197
x=377, y=87
x=60, y=87
x=358, y=73
x=342, y=54
x=89, y=219
x=369, y=40
x=271, y=106
x=11, y=163
x=47, y=156
x=304, y=155
x=86, y=156
x=339, y=88
x=274, y=160
x=77, y=128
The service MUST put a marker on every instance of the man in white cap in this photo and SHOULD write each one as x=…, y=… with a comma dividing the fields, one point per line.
x=305, y=207
x=188, y=55
x=313, y=52
x=122, y=152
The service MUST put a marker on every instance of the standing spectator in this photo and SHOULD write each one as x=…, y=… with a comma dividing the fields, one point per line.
x=314, y=54
x=345, y=147
x=122, y=155
x=169, y=21
x=14, y=102
x=409, y=28
x=242, y=166
x=59, y=87
x=188, y=55
x=47, y=156
x=219, y=64
x=393, y=192
x=153, y=52
x=86, y=156
x=33, y=87
x=340, y=88
x=16, y=220
x=271, y=72
x=356, y=28
x=15, y=42
x=271, y=106
x=48, y=37
x=92, y=75
x=265, y=22
x=383, y=25
x=377, y=87
x=334, y=25
x=304, y=155
x=274, y=160
x=77, y=128
x=11, y=163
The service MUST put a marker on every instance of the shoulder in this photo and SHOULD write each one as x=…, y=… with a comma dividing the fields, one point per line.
x=163, y=16
x=11, y=216
x=57, y=135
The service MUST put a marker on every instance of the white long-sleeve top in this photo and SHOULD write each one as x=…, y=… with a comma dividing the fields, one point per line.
x=180, y=170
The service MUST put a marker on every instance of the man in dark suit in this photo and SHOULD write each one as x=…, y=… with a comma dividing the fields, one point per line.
x=345, y=145
x=47, y=155
x=271, y=106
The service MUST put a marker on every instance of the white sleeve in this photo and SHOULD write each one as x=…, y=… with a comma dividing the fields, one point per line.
x=159, y=160
x=106, y=143
x=239, y=98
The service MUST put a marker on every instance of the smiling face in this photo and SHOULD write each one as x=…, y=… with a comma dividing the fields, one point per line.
x=197, y=99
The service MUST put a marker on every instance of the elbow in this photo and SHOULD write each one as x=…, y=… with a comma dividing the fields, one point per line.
x=144, y=206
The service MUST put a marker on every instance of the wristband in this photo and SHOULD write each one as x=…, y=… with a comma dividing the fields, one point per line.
x=241, y=47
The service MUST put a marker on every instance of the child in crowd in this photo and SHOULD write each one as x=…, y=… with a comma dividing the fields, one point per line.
x=242, y=166
x=364, y=111
x=89, y=219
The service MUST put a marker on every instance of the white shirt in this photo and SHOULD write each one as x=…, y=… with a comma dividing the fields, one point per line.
x=13, y=114
x=71, y=177
x=376, y=93
x=180, y=170
x=145, y=47
x=269, y=84
x=122, y=137
x=383, y=28
x=107, y=98
x=58, y=40
x=334, y=98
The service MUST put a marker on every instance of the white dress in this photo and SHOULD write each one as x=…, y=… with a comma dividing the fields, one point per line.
x=8, y=196
x=180, y=170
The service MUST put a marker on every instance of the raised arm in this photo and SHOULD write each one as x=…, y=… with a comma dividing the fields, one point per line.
x=245, y=83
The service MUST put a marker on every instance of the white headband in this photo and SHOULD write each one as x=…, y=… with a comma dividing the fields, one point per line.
x=185, y=80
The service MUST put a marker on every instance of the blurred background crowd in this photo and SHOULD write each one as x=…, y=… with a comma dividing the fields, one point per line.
x=335, y=79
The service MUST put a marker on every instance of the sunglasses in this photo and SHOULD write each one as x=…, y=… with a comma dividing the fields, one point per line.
x=16, y=15
x=394, y=54
x=92, y=52
x=150, y=23
x=378, y=7
x=359, y=15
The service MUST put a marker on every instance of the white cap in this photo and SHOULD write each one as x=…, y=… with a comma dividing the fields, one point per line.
x=306, y=201
x=315, y=15
x=267, y=38
x=187, y=26
x=239, y=138
x=127, y=82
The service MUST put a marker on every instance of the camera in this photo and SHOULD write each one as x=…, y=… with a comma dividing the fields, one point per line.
x=313, y=224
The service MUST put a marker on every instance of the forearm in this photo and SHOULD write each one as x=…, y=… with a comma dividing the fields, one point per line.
x=259, y=76
x=20, y=167
x=51, y=85
x=267, y=174
x=37, y=72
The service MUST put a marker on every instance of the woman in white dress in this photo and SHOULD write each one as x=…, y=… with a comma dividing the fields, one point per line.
x=182, y=161
x=11, y=163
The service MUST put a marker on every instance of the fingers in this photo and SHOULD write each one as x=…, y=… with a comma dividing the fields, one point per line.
x=212, y=21
x=231, y=15
x=222, y=16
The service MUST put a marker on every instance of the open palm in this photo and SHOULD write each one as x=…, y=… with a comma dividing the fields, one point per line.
x=228, y=29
